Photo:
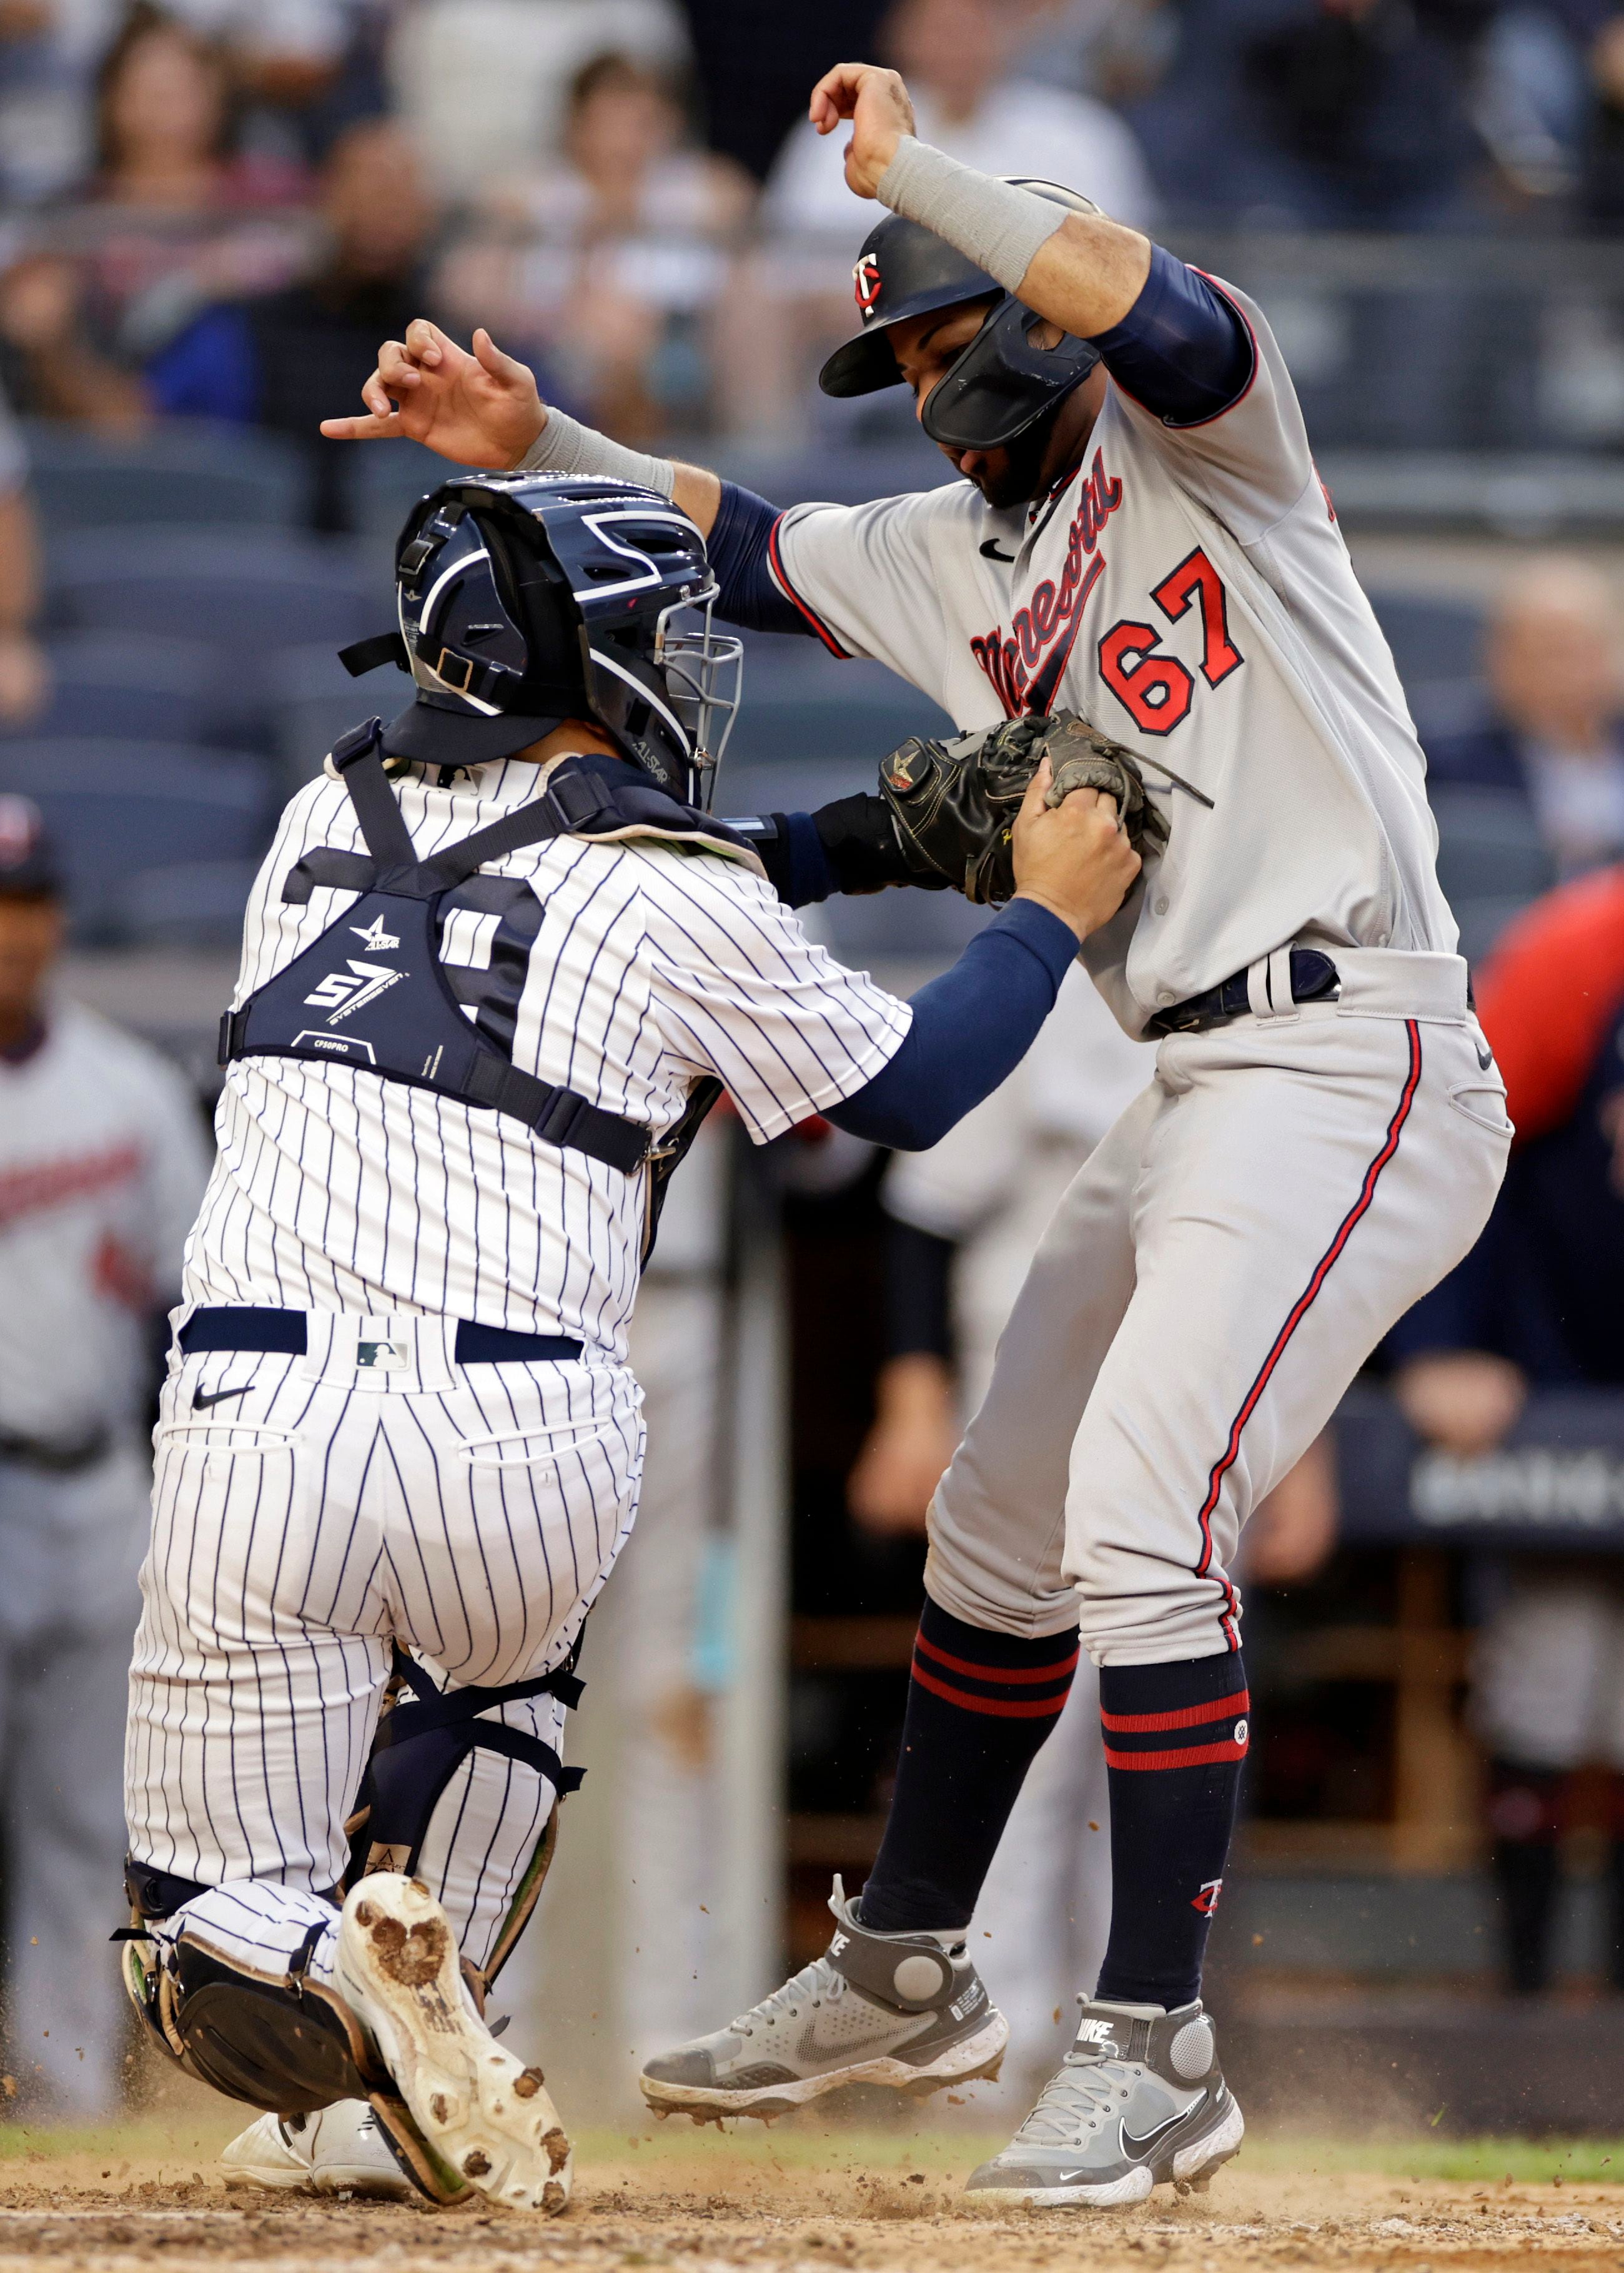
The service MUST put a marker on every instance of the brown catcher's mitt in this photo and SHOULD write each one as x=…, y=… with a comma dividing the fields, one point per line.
x=954, y=803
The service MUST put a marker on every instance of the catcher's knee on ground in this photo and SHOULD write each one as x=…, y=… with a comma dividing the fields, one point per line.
x=270, y=2033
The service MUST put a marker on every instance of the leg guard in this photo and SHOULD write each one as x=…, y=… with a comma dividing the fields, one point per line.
x=423, y=1738
x=284, y=2043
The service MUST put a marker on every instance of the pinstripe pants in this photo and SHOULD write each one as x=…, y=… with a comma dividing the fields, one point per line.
x=313, y=1509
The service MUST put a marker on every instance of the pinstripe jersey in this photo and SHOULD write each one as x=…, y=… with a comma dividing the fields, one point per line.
x=626, y=970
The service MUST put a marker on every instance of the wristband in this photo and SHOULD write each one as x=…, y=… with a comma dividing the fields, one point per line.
x=566, y=447
x=993, y=223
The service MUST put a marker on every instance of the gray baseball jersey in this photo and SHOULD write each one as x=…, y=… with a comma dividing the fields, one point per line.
x=1187, y=589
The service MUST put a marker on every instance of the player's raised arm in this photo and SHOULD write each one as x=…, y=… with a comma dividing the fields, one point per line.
x=482, y=409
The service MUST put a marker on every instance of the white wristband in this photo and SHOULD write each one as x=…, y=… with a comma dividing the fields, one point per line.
x=992, y=222
x=566, y=447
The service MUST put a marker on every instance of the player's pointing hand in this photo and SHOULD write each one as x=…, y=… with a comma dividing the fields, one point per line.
x=877, y=105
x=480, y=409
x=1074, y=857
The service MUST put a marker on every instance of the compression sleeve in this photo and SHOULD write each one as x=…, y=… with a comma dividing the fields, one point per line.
x=738, y=546
x=1183, y=351
x=971, y=1027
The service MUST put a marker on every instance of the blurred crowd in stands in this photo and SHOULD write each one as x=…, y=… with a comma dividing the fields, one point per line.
x=213, y=209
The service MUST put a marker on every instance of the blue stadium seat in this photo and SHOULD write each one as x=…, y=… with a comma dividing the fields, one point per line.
x=121, y=808
x=1437, y=642
x=112, y=686
x=1488, y=847
x=187, y=904
x=190, y=471
x=311, y=700
x=245, y=594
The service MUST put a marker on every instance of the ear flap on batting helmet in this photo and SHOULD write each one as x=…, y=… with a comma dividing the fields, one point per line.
x=1001, y=384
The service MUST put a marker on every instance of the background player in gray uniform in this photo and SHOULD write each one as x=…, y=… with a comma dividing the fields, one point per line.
x=480, y=1003
x=101, y=1162
x=1141, y=536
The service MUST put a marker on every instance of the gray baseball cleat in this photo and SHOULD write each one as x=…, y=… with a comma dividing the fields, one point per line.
x=904, y=2009
x=1139, y=2102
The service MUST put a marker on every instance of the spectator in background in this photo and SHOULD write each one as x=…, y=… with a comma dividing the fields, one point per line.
x=613, y=254
x=25, y=675
x=1601, y=167
x=274, y=360
x=172, y=217
x=956, y=57
x=1536, y=1304
x=1554, y=736
x=1320, y=114
x=102, y=1163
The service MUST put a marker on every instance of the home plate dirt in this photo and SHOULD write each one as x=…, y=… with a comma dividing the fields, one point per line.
x=809, y=2199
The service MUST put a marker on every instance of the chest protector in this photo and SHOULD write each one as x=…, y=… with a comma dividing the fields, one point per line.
x=373, y=993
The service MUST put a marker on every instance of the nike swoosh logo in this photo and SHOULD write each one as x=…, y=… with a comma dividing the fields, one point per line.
x=1486, y=1059
x=1132, y=2146
x=200, y=1404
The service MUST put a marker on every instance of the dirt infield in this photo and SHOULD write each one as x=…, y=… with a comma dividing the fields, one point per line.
x=805, y=2200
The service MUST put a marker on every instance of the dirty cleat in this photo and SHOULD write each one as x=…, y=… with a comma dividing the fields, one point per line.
x=485, y=2116
x=339, y=2150
x=904, y=2009
x=1139, y=2102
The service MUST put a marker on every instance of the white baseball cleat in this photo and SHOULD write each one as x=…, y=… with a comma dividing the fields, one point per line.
x=339, y=2150
x=485, y=2115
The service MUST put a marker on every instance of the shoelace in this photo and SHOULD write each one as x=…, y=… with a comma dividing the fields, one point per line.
x=1071, y=2100
x=816, y=1984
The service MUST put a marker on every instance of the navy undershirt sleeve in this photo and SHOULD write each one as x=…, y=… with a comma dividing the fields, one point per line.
x=971, y=1028
x=1182, y=349
x=918, y=1290
x=737, y=547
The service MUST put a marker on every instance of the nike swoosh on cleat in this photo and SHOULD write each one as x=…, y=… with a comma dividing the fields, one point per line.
x=1132, y=2146
x=201, y=1403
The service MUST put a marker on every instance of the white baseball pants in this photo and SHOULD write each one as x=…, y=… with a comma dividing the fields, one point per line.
x=369, y=1490
x=1285, y=1189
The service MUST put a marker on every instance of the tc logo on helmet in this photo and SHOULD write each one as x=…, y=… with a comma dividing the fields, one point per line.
x=866, y=278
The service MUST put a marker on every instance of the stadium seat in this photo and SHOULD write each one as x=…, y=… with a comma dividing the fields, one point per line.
x=191, y=471
x=1437, y=642
x=119, y=809
x=311, y=700
x=113, y=686
x=243, y=593
x=1488, y=848
x=186, y=904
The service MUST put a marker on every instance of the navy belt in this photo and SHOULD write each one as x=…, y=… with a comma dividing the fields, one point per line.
x=1313, y=977
x=239, y=1327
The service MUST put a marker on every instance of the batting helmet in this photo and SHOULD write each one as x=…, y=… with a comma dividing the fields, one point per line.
x=526, y=599
x=1000, y=385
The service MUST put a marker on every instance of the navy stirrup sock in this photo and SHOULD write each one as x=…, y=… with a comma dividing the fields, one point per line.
x=979, y=1706
x=1175, y=1739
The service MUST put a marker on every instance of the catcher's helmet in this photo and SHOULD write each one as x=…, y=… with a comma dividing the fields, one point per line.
x=526, y=599
x=1000, y=384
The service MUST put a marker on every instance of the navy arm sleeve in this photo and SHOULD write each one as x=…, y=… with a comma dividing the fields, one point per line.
x=971, y=1028
x=1182, y=349
x=738, y=546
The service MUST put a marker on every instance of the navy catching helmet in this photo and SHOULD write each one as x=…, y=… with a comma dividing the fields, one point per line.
x=526, y=599
x=1001, y=385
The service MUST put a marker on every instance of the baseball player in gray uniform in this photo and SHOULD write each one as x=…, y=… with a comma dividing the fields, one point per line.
x=497, y=963
x=102, y=1163
x=1140, y=537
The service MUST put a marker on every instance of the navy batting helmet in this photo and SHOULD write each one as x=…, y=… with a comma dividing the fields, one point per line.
x=526, y=599
x=1000, y=385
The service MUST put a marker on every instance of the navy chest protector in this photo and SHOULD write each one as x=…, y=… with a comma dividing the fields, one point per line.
x=373, y=993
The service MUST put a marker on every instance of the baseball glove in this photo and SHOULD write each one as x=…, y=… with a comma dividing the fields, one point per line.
x=954, y=803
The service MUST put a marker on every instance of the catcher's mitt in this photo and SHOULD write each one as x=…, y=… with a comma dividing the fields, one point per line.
x=954, y=803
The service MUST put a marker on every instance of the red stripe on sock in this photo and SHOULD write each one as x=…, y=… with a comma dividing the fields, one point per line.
x=1061, y=1666
x=1197, y=1756
x=1141, y=1724
x=1002, y=1708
